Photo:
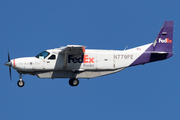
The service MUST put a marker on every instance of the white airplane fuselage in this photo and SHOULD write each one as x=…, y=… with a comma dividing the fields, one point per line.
x=92, y=63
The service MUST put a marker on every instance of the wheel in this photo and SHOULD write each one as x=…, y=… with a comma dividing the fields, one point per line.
x=20, y=83
x=73, y=81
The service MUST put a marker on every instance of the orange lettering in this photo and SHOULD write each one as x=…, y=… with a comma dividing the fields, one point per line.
x=85, y=58
x=91, y=60
x=169, y=41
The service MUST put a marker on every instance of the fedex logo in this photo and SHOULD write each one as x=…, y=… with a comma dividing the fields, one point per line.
x=167, y=40
x=82, y=59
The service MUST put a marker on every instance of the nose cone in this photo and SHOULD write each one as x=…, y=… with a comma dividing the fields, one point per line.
x=8, y=64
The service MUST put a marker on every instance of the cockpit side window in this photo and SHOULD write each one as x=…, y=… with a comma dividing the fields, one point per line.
x=42, y=55
x=52, y=57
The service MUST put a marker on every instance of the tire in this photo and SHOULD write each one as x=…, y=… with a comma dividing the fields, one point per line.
x=73, y=82
x=20, y=83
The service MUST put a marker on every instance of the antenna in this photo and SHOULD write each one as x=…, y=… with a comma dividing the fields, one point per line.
x=126, y=47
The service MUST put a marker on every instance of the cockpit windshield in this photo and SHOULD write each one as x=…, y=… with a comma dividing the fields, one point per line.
x=42, y=55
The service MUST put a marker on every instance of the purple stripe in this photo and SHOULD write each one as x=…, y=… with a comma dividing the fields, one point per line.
x=144, y=58
x=150, y=56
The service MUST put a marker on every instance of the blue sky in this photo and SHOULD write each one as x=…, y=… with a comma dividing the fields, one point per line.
x=143, y=92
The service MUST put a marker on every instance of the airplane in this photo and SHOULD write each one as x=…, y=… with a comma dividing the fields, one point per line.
x=74, y=61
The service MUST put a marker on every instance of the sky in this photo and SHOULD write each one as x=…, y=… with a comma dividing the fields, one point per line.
x=144, y=92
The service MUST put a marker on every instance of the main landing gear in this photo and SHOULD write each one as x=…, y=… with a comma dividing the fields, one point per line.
x=73, y=82
x=20, y=83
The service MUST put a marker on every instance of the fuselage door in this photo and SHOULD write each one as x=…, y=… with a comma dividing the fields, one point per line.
x=50, y=62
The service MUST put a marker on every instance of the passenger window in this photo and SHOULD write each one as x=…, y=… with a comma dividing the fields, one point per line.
x=52, y=57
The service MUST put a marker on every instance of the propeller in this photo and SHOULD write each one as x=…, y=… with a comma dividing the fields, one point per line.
x=9, y=63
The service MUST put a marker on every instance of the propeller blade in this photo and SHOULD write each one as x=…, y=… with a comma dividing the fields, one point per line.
x=8, y=57
x=10, y=73
x=9, y=64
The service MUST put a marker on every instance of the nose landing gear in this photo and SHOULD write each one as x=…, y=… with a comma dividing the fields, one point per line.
x=20, y=83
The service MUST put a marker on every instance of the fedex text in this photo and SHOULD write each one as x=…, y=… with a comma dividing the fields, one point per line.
x=167, y=40
x=82, y=59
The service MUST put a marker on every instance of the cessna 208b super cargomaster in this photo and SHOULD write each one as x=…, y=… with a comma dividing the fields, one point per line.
x=74, y=61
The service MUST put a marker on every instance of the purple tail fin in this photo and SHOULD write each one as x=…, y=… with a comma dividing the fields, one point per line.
x=164, y=39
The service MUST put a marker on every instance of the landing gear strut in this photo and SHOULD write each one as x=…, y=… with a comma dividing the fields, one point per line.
x=20, y=83
x=73, y=81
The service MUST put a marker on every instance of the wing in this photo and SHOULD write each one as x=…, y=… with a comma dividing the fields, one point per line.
x=71, y=50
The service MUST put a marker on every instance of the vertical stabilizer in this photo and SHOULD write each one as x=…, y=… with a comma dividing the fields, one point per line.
x=164, y=39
